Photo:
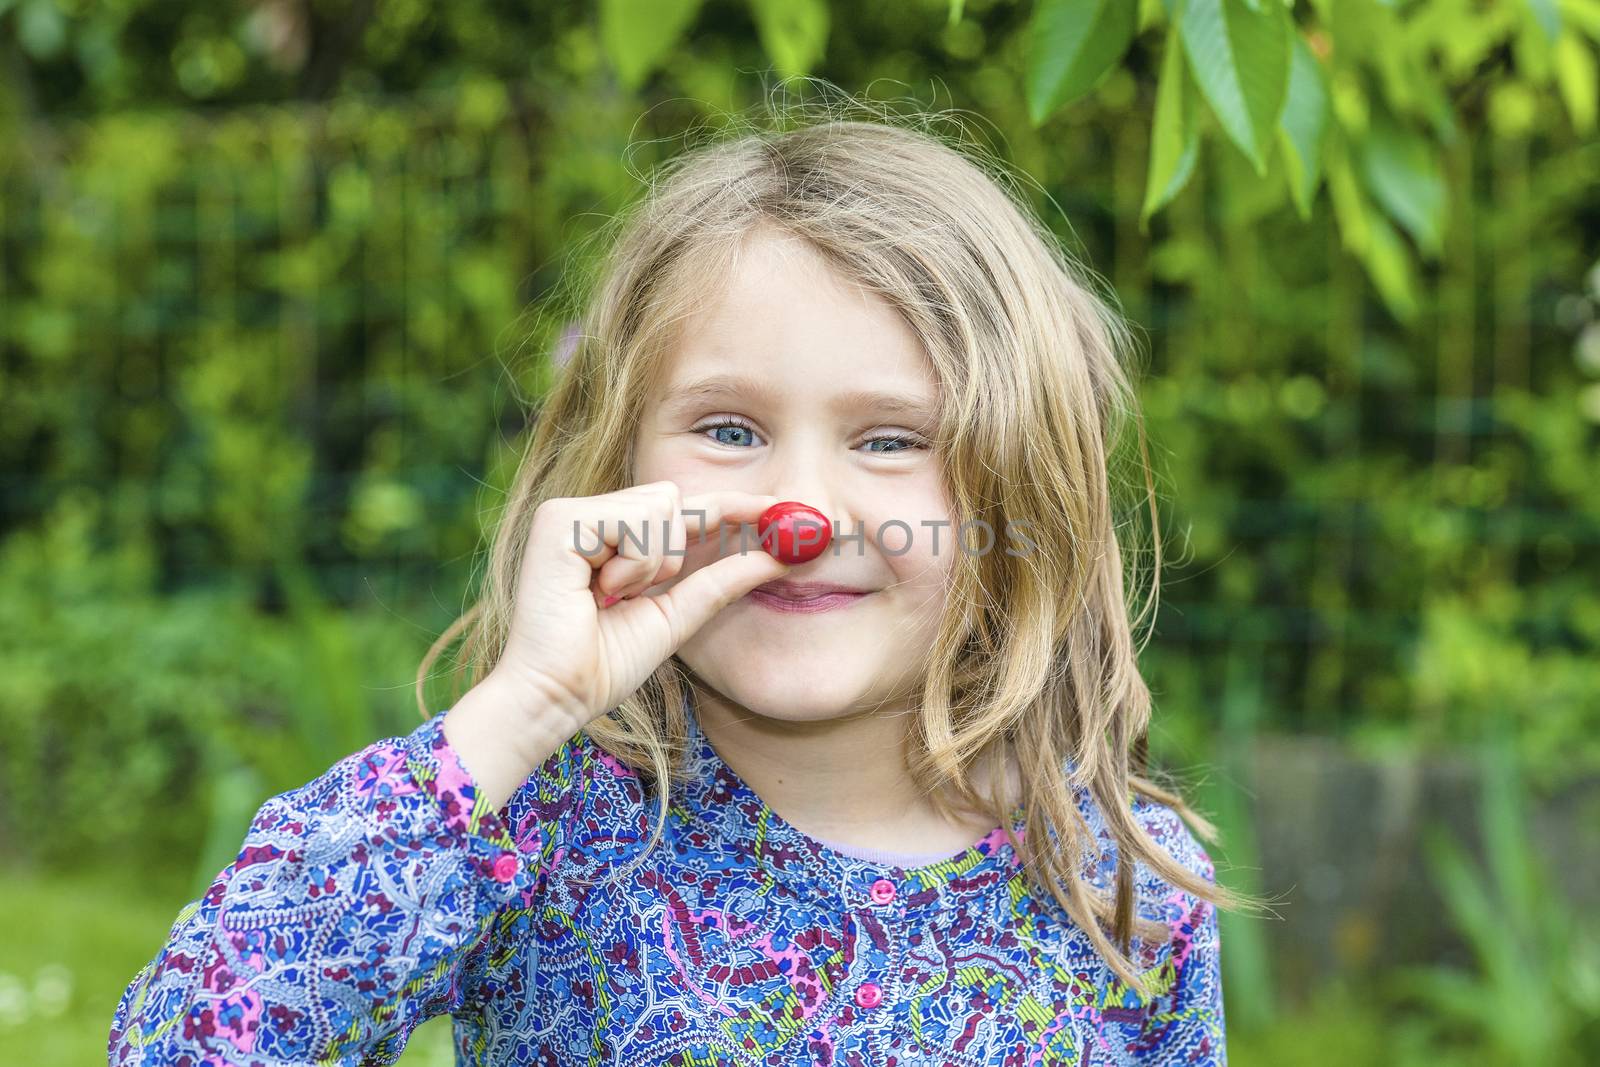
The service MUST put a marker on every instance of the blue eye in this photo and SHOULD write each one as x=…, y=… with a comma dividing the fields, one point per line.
x=746, y=430
x=745, y=433
x=904, y=440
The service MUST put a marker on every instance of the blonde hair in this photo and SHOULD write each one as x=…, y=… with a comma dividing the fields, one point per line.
x=1034, y=649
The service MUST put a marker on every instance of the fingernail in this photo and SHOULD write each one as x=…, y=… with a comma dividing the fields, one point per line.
x=609, y=600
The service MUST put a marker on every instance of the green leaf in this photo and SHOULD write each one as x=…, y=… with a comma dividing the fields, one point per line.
x=1072, y=43
x=1516, y=869
x=1547, y=13
x=1349, y=206
x=638, y=34
x=1388, y=264
x=794, y=33
x=1404, y=175
x=1452, y=994
x=1577, y=78
x=1367, y=235
x=1303, y=125
x=1461, y=886
x=1583, y=13
x=1174, y=132
x=41, y=30
x=1240, y=60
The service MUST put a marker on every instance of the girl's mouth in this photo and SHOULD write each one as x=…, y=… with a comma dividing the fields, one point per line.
x=804, y=605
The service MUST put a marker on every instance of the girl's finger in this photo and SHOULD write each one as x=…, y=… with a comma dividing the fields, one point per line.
x=706, y=513
x=697, y=596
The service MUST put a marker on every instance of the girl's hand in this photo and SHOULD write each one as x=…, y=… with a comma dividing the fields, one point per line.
x=566, y=648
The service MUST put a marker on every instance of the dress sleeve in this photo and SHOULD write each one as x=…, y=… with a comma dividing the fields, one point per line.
x=349, y=914
x=1184, y=1023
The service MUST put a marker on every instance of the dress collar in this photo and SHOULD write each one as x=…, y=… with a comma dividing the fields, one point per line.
x=723, y=804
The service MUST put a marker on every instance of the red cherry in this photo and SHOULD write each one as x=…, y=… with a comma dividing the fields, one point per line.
x=793, y=532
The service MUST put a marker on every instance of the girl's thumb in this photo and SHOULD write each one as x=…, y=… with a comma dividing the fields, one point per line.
x=699, y=595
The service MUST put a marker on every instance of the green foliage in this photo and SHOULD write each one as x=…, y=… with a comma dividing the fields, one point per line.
x=1343, y=1023
x=143, y=727
x=638, y=34
x=1404, y=176
x=1282, y=78
x=1174, y=132
x=793, y=32
x=1535, y=997
x=1304, y=125
x=1277, y=77
x=1240, y=57
x=1073, y=44
x=1471, y=666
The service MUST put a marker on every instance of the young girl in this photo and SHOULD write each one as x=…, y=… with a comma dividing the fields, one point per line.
x=700, y=806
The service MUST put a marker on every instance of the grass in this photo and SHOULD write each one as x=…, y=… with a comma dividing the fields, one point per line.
x=1339, y=1026
x=74, y=941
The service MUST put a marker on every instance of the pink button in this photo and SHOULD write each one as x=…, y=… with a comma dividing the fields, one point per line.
x=868, y=994
x=882, y=891
x=505, y=867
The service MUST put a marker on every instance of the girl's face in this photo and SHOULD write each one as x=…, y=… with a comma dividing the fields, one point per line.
x=796, y=384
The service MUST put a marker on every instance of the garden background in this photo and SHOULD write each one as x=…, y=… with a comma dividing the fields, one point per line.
x=278, y=279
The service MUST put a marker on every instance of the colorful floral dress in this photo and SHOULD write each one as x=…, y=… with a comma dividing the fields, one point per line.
x=384, y=893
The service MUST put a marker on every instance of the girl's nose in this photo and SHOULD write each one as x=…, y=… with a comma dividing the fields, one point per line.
x=838, y=521
x=813, y=486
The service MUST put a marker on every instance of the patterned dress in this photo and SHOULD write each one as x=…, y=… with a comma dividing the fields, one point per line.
x=384, y=893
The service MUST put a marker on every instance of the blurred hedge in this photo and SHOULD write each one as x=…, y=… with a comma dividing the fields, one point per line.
x=266, y=344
